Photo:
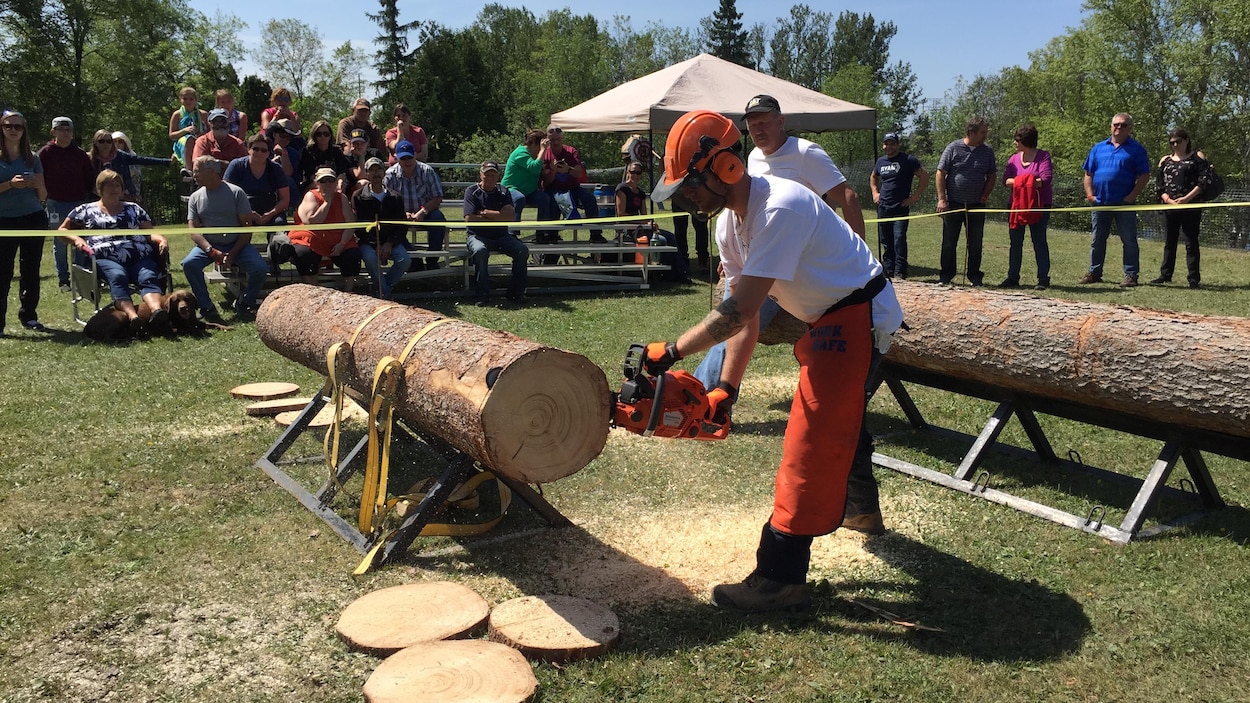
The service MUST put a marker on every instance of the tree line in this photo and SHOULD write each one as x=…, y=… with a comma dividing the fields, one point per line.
x=475, y=89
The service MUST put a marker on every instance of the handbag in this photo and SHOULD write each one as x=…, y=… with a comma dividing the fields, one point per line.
x=1212, y=184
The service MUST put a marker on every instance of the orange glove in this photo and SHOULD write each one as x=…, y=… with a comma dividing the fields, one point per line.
x=721, y=401
x=660, y=357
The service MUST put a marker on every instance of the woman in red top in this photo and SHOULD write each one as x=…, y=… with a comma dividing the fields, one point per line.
x=404, y=129
x=324, y=204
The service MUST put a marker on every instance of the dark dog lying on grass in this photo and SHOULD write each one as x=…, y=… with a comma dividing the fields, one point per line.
x=181, y=307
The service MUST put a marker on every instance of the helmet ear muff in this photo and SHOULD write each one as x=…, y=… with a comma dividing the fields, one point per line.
x=729, y=170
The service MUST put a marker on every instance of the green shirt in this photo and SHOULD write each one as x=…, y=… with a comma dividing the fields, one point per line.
x=522, y=171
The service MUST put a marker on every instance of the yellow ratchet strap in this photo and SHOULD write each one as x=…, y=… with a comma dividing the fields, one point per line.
x=377, y=465
x=338, y=362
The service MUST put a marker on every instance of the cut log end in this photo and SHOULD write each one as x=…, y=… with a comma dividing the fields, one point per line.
x=555, y=628
x=386, y=621
x=464, y=671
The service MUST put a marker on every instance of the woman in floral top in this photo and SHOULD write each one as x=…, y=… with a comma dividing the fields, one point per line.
x=1180, y=181
x=122, y=259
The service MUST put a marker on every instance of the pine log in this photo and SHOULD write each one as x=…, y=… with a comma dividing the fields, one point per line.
x=555, y=628
x=1180, y=368
x=530, y=412
x=461, y=671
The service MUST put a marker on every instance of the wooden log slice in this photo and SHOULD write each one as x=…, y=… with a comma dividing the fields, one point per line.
x=267, y=390
x=388, y=620
x=325, y=416
x=555, y=628
x=261, y=408
x=530, y=412
x=464, y=671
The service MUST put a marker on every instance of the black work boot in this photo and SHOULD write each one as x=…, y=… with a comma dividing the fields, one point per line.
x=779, y=581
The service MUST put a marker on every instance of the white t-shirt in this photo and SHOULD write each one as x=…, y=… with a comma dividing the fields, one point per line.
x=798, y=160
x=814, y=257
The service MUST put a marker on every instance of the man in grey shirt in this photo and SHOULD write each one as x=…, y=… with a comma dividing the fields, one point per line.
x=965, y=177
x=221, y=204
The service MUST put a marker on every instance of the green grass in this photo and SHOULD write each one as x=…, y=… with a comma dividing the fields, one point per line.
x=143, y=557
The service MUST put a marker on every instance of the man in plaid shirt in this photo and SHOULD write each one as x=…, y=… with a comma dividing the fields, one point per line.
x=418, y=185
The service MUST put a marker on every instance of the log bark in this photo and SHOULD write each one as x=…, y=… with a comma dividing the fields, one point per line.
x=1181, y=368
x=530, y=412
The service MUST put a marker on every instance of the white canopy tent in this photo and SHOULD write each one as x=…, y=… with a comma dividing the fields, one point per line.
x=655, y=101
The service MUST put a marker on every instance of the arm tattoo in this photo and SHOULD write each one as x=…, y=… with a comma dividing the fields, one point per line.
x=725, y=321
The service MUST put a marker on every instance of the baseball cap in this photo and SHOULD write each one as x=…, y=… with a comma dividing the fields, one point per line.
x=286, y=125
x=362, y=102
x=762, y=103
x=358, y=135
x=374, y=161
x=890, y=137
x=405, y=148
x=489, y=166
x=218, y=112
x=323, y=173
x=62, y=122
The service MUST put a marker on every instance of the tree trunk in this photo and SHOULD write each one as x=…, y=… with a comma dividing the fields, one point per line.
x=1181, y=368
x=530, y=412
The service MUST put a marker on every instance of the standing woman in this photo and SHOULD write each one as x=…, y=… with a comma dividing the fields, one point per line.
x=1029, y=176
x=106, y=155
x=1179, y=181
x=186, y=123
x=21, y=208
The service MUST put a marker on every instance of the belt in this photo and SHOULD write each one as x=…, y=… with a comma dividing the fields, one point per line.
x=859, y=295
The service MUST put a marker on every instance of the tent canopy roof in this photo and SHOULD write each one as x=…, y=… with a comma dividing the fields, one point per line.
x=655, y=101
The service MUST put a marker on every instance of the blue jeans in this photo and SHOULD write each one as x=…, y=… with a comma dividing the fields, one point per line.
x=248, y=259
x=585, y=200
x=57, y=212
x=1041, y=250
x=539, y=200
x=144, y=272
x=1126, y=227
x=893, y=239
x=401, y=258
x=437, y=235
x=479, y=253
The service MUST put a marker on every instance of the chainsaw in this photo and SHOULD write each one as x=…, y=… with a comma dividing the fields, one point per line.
x=672, y=404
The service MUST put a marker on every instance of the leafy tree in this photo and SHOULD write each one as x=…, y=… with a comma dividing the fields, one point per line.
x=290, y=53
x=253, y=97
x=799, y=49
x=445, y=71
x=392, y=54
x=726, y=39
x=338, y=82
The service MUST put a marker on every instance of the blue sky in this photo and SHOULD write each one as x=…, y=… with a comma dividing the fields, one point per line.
x=941, y=40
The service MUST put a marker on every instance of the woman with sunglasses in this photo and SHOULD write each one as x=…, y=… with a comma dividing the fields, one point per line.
x=262, y=180
x=1179, y=181
x=631, y=199
x=186, y=123
x=21, y=208
x=322, y=152
x=106, y=155
x=279, y=107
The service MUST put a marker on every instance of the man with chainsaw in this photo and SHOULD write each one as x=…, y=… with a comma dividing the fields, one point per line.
x=779, y=240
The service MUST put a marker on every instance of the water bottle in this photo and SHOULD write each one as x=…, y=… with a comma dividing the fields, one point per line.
x=54, y=218
x=641, y=242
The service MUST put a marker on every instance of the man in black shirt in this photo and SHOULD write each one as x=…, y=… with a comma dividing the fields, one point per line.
x=487, y=201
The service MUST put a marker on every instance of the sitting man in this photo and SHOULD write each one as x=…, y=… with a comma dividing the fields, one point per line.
x=378, y=242
x=565, y=173
x=220, y=204
x=218, y=142
x=487, y=201
x=421, y=189
x=359, y=119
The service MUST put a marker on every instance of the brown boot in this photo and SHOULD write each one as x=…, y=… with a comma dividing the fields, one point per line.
x=868, y=523
x=757, y=594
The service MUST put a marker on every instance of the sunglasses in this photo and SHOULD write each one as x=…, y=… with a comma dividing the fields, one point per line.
x=321, y=134
x=407, y=158
x=557, y=130
x=636, y=173
x=1174, y=142
x=99, y=141
x=281, y=99
x=15, y=127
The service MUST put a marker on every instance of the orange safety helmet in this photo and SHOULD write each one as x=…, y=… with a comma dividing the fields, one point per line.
x=694, y=143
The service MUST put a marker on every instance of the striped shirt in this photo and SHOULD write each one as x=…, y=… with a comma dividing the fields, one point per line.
x=424, y=185
x=967, y=170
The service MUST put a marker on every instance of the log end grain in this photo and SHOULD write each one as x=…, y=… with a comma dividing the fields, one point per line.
x=555, y=628
x=391, y=619
x=464, y=671
x=266, y=390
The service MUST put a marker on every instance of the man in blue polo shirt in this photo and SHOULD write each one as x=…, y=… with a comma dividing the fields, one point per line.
x=1116, y=171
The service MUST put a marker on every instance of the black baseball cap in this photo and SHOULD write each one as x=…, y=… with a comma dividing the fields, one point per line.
x=762, y=103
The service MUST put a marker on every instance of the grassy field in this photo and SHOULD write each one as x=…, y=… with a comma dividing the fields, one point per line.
x=143, y=556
